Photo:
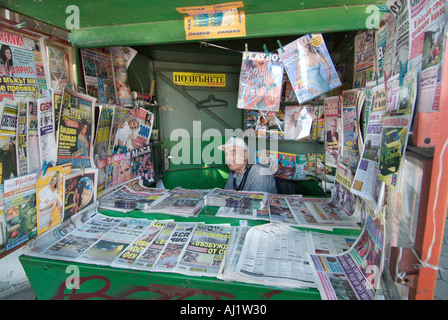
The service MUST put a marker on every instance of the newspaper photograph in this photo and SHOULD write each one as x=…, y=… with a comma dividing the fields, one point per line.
x=79, y=191
x=309, y=67
x=129, y=256
x=355, y=274
x=134, y=130
x=21, y=140
x=260, y=82
x=34, y=159
x=76, y=130
x=8, y=156
x=205, y=251
x=49, y=196
x=45, y=125
x=396, y=126
x=20, y=210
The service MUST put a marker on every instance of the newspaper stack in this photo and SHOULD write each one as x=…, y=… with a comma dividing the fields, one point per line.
x=236, y=199
x=179, y=202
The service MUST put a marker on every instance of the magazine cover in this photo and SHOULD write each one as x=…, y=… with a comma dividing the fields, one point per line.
x=332, y=130
x=21, y=143
x=33, y=159
x=20, y=210
x=134, y=130
x=76, y=130
x=101, y=145
x=122, y=57
x=45, y=125
x=141, y=165
x=364, y=70
x=117, y=118
x=49, y=197
x=79, y=191
x=260, y=85
x=8, y=159
x=298, y=122
x=309, y=67
x=8, y=116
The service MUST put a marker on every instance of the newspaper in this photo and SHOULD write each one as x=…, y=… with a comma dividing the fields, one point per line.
x=364, y=69
x=309, y=67
x=401, y=39
x=180, y=202
x=236, y=199
x=205, y=251
x=8, y=156
x=175, y=247
x=99, y=74
x=427, y=30
x=34, y=159
x=2, y=219
x=46, y=127
x=304, y=217
x=350, y=127
x=279, y=211
x=396, y=126
x=76, y=130
x=243, y=213
x=275, y=255
x=366, y=183
x=21, y=140
x=130, y=255
x=56, y=98
x=333, y=130
x=122, y=57
x=298, y=122
x=354, y=274
x=134, y=130
x=20, y=210
x=8, y=115
x=101, y=145
x=79, y=191
x=37, y=245
x=49, y=197
x=260, y=81
x=115, y=241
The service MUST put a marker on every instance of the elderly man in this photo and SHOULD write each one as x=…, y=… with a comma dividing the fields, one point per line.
x=244, y=176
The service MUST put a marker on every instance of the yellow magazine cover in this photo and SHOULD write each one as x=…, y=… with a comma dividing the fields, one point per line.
x=49, y=197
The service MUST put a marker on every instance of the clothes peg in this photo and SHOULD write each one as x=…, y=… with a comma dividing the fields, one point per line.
x=280, y=45
x=265, y=48
x=246, y=49
x=403, y=71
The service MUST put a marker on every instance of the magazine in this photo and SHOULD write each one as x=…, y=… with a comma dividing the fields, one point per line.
x=298, y=122
x=205, y=251
x=33, y=157
x=122, y=57
x=350, y=129
x=21, y=140
x=260, y=84
x=49, y=197
x=236, y=199
x=134, y=130
x=333, y=130
x=8, y=114
x=46, y=126
x=101, y=145
x=76, y=130
x=20, y=210
x=8, y=157
x=117, y=118
x=309, y=67
x=364, y=69
x=79, y=191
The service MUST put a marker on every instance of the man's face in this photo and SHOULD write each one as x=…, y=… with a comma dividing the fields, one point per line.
x=235, y=157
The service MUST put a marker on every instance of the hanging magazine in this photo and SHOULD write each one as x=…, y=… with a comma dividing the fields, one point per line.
x=32, y=137
x=298, y=122
x=260, y=82
x=309, y=67
x=21, y=140
x=76, y=130
x=101, y=146
x=134, y=130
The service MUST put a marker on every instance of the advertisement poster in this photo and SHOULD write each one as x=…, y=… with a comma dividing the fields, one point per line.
x=76, y=130
x=49, y=197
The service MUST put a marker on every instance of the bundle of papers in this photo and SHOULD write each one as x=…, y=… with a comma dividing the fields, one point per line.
x=236, y=199
x=179, y=202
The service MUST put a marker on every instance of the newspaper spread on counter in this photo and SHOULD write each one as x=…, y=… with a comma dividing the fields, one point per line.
x=236, y=199
x=243, y=213
x=76, y=129
x=356, y=273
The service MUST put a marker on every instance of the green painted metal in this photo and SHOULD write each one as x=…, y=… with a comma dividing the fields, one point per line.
x=294, y=22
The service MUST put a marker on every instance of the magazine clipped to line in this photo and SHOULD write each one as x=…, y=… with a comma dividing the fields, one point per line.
x=309, y=67
x=32, y=137
x=76, y=130
x=236, y=199
x=21, y=140
x=260, y=84
x=298, y=122
x=134, y=130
